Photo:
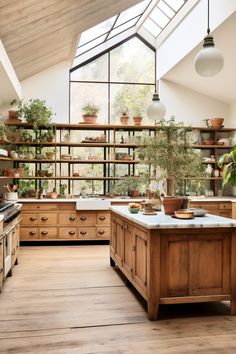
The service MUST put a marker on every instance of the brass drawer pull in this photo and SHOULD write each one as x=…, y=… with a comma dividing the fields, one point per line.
x=126, y=227
x=101, y=232
x=44, y=233
x=83, y=232
x=32, y=233
x=32, y=218
x=72, y=218
x=44, y=218
x=71, y=232
x=83, y=218
x=102, y=218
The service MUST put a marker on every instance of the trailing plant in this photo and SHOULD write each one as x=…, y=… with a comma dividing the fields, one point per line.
x=228, y=163
x=170, y=153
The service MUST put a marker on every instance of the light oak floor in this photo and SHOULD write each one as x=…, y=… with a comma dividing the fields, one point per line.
x=67, y=299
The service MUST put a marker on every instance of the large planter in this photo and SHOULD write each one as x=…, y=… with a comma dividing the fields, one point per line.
x=216, y=123
x=89, y=118
x=170, y=204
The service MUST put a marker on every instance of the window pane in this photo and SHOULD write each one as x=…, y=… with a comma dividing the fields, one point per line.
x=165, y=8
x=122, y=28
x=90, y=45
x=132, y=98
x=83, y=93
x=132, y=12
x=151, y=27
x=96, y=31
x=175, y=4
x=127, y=64
x=96, y=70
x=158, y=17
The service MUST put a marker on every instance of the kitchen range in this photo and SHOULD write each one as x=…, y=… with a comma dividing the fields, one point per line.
x=9, y=239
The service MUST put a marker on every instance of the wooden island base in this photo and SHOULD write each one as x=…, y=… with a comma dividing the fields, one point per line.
x=175, y=265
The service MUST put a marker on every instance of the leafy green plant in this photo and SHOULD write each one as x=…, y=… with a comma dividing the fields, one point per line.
x=90, y=109
x=35, y=112
x=127, y=184
x=3, y=129
x=170, y=154
x=63, y=187
x=228, y=163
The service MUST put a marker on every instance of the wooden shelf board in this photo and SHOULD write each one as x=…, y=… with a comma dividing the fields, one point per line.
x=74, y=161
x=61, y=178
x=71, y=144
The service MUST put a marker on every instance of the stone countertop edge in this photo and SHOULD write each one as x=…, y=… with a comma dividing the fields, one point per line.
x=1, y=217
x=74, y=200
x=162, y=221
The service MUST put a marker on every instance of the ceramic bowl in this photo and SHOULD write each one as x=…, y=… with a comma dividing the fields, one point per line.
x=134, y=210
x=208, y=142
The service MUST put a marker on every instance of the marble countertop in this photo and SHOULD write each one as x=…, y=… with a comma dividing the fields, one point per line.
x=1, y=217
x=162, y=221
x=69, y=200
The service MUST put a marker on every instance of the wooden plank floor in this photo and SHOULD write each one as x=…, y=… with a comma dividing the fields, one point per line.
x=67, y=299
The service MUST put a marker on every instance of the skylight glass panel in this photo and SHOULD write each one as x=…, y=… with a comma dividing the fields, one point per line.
x=175, y=4
x=90, y=45
x=96, y=31
x=158, y=17
x=166, y=9
x=151, y=27
x=132, y=12
x=122, y=28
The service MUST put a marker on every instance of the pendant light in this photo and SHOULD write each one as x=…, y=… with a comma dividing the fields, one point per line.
x=156, y=110
x=209, y=61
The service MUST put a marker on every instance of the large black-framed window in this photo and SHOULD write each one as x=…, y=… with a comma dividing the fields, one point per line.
x=120, y=79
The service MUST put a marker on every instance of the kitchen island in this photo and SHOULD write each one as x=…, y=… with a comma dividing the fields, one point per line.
x=172, y=261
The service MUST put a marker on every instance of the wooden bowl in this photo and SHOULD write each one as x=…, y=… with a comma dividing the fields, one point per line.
x=184, y=214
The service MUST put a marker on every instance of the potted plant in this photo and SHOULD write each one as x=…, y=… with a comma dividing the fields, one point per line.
x=3, y=131
x=12, y=113
x=228, y=163
x=90, y=113
x=138, y=113
x=171, y=155
x=25, y=135
x=128, y=185
x=63, y=187
x=35, y=112
x=124, y=118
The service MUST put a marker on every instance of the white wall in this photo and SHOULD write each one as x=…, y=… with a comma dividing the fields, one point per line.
x=232, y=115
x=51, y=85
x=190, y=107
x=190, y=32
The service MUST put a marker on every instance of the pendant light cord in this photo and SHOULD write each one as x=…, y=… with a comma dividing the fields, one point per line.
x=208, y=17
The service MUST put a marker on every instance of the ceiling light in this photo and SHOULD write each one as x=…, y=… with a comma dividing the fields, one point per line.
x=156, y=110
x=209, y=61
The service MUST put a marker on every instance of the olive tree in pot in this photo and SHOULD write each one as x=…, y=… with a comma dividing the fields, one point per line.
x=90, y=113
x=171, y=155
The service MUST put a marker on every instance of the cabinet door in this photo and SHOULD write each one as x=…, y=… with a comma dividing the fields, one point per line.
x=210, y=264
x=119, y=251
x=175, y=265
x=113, y=237
x=129, y=248
x=1, y=262
x=140, y=259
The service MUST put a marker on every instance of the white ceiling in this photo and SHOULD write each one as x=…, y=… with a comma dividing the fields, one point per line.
x=223, y=85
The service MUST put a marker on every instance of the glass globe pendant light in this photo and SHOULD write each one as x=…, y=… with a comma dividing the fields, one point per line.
x=156, y=110
x=209, y=61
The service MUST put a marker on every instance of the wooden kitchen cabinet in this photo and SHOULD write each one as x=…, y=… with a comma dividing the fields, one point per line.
x=1, y=256
x=15, y=242
x=216, y=208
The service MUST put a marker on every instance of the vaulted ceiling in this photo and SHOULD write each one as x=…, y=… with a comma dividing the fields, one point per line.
x=38, y=34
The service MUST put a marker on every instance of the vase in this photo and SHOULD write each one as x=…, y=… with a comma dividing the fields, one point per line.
x=137, y=120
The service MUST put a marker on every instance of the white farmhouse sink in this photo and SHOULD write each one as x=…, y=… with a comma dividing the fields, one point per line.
x=93, y=204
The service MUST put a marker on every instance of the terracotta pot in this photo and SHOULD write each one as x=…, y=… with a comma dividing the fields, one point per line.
x=137, y=120
x=89, y=118
x=216, y=123
x=10, y=172
x=134, y=193
x=54, y=195
x=171, y=204
x=49, y=155
x=12, y=117
x=21, y=171
x=124, y=120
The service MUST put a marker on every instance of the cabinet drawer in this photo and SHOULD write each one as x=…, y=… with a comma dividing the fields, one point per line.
x=225, y=206
x=103, y=218
x=39, y=206
x=225, y=214
x=48, y=233
x=67, y=233
x=47, y=219
x=29, y=219
x=205, y=205
x=86, y=233
x=68, y=218
x=67, y=206
x=103, y=232
x=87, y=219
x=27, y=233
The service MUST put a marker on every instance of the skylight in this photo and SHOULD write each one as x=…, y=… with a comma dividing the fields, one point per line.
x=151, y=15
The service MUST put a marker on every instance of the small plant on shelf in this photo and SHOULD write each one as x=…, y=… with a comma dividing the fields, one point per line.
x=3, y=131
x=63, y=187
x=90, y=113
